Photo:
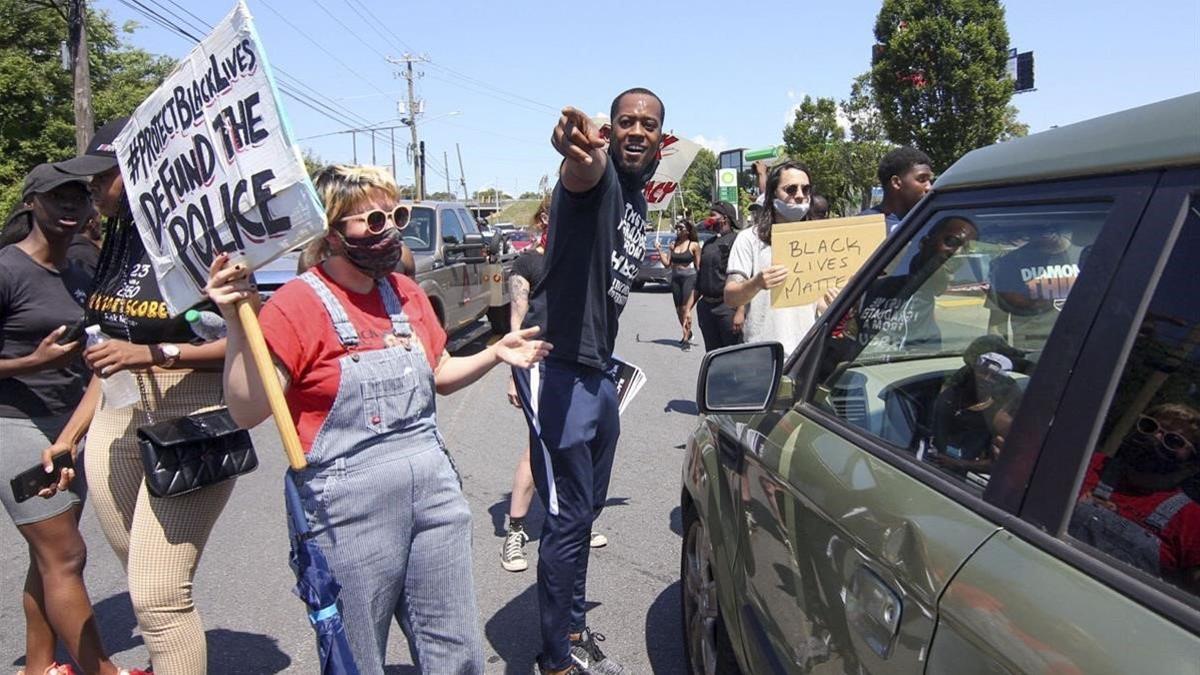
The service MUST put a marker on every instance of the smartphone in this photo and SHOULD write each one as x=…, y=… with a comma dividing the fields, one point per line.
x=73, y=332
x=28, y=483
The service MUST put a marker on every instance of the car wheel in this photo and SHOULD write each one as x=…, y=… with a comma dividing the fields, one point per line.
x=706, y=643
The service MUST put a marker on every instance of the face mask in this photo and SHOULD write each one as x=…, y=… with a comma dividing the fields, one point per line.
x=790, y=213
x=376, y=255
x=1144, y=453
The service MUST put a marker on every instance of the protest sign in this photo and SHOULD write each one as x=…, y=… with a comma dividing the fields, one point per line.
x=822, y=255
x=675, y=156
x=210, y=166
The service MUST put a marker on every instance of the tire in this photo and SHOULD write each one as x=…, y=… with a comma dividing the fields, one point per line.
x=500, y=319
x=706, y=645
x=637, y=285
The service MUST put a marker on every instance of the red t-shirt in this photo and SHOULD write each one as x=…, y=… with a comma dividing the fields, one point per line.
x=1180, y=548
x=300, y=335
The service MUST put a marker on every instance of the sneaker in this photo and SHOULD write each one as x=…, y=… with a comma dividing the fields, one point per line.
x=586, y=653
x=512, y=555
x=598, y=540
x=573, y=670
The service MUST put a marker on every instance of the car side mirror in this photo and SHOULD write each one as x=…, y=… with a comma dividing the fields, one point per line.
x=740, y=379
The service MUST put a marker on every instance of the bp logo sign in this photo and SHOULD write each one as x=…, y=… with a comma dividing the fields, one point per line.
x=727, y=178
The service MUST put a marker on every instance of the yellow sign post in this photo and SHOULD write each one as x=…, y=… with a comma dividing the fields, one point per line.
x=822, y=255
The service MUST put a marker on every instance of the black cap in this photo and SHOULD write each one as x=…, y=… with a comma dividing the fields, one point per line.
x=46, y=177
x=100, y=155
x=726, y=209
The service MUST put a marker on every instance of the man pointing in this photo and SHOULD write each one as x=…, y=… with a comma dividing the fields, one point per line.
x=595, y=247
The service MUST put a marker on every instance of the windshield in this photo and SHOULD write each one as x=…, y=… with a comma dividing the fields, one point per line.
x=419, y=234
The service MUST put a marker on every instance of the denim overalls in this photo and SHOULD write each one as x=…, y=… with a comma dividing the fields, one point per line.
x=385, y=505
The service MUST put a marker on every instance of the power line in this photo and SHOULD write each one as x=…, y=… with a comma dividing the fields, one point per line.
x=374, y=22
x=349, y=30
x=321, y=47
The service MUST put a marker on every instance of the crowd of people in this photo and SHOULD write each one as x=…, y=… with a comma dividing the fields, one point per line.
x=361, y=357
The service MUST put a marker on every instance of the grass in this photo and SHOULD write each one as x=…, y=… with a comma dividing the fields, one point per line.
x=520, y=213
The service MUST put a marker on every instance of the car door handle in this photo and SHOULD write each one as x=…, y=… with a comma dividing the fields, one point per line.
x=873, y=609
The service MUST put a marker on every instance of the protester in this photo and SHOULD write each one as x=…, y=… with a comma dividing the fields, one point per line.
x=720, y=324
x=1030, y=285
x=684, y=262
x=751, y=274
x=906, y=174
x=42, y=293
x=360, y=386
x=972, y=411
x=1133, y=506
x=159, y=541
x=85, y=246
x=596, y=244
x=820, y=208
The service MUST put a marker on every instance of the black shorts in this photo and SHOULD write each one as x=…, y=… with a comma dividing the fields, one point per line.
x=682, y=283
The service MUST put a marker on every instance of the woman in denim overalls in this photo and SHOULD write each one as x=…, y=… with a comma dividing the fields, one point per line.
x=380, y=493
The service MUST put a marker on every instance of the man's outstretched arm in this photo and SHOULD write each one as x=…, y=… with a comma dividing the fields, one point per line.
x=578, y=140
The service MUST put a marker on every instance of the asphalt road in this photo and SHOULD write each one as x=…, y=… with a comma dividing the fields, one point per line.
x=255, y=625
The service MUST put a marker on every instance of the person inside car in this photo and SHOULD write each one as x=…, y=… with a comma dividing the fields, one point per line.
x=972, y=411
x=1133, y=505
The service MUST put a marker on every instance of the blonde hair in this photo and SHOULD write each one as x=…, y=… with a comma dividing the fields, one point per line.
x=342, y=187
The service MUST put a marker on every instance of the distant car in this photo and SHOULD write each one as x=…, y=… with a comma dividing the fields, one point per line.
x=983, y=456
x=520, y=240
x=654, y=270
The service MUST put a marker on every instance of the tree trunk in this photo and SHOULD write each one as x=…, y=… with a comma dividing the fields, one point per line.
x=78, y=45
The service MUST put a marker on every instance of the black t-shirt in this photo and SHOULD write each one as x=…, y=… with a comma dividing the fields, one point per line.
x=1032, y=285
x=595, y=248
x=529, y=266
x=87, y=253
x=34, y=301
x=127, y=303
x=714, y=259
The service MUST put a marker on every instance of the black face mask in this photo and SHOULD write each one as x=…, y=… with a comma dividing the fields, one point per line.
x=377, y=254
x=1145, y=454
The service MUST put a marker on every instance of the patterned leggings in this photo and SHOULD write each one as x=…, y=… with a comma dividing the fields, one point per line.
x=159, y=541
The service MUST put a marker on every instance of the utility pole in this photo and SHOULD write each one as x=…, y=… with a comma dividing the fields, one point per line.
x=77, y=46
x=392, y=133
x=446, y=164
x=354, y=144
x=413, y=110
x=462, y=177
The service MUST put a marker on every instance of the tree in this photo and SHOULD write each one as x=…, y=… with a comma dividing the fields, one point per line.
x=868, y=139
x=696, y=187
x=37, y=109
x=442, y=196
x=530, y=195
x=938, y=72
x=1013, y=127
x=489, y=195
x=312, y=162
x=815, y=138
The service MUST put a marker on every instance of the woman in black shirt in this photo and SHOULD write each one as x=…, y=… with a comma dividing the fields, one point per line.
x=159, y=541
x=42, y=293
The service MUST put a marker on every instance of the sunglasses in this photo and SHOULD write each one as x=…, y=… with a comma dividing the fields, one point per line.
x=377, y=219
x=791, y=190
x=1170, y=440
x=954, y=241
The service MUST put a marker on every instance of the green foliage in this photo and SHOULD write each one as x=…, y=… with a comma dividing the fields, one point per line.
x=442, y=196
x=312, y=163
x=815, y=138
x=938, y=74
x=489, y=195
x=1013, y=127
x=530, y=195
x=696, y=189
x=37, y=116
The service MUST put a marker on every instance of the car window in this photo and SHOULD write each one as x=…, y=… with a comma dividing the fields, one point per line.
x=1138, y=501
x=934, y=356
x=452, y=231
x=418, y=235
x=468, y=223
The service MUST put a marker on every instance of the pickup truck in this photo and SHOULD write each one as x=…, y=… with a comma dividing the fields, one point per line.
x=464, y=276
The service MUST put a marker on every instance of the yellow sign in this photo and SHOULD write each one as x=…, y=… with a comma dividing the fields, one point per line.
x=821, y=255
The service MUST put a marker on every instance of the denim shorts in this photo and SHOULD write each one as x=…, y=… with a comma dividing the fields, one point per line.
x=21, y=449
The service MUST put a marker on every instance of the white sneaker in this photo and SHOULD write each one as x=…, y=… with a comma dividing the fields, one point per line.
x=512, y=555
x=598, y=540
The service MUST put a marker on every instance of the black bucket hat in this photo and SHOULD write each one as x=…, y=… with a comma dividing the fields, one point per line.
x=100, y=155
x=46, y=177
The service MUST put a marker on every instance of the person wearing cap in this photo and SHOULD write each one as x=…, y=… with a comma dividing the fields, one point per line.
x=42, y=379
x=974, y=411
x=159, y=541
x=720, y=324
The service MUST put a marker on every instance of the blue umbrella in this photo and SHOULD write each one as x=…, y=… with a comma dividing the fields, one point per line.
x=318, y=589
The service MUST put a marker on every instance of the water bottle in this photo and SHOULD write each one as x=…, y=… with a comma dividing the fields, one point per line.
x=120, y=389
x=207, y=326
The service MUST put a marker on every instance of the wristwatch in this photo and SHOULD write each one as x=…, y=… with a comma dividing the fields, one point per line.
x=170, y=354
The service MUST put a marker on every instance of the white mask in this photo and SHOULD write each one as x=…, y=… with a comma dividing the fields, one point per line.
x=790, y=213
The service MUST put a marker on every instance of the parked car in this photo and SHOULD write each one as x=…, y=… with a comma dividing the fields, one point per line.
x=519, y=240
x=953, y=476
x=654, y=270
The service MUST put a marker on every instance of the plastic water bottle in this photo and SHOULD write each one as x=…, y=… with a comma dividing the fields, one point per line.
x=207, y=326
x=120, y=389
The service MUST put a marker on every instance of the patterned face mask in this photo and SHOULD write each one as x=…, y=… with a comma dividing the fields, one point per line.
x=377, y=254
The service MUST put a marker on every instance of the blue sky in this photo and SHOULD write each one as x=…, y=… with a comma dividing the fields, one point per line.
x=499, y=71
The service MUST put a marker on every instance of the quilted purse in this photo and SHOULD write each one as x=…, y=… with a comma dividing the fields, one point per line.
x=184, y=454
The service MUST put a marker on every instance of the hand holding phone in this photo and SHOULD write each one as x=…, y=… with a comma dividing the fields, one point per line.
x=27, y=484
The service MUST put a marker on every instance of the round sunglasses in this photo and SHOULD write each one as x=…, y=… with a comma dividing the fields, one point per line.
x=377, y=219
x=1170, y=440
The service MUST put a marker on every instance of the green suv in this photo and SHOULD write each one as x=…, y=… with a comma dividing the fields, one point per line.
x=992, y=477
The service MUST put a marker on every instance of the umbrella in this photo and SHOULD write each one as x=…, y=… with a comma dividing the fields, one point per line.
x=318, y=589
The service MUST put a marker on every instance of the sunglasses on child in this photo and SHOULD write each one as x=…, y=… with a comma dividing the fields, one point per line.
x=377, y=219
x=1170, y=440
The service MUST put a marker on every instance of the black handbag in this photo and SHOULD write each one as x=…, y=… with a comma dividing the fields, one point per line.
x=187, y=453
